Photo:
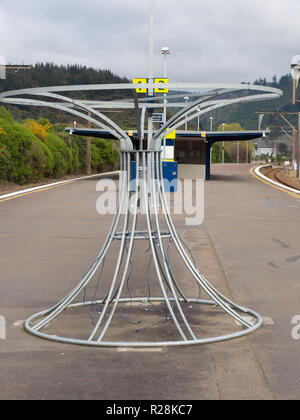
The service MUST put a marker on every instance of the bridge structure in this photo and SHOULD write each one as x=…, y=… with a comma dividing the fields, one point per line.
x=131, y=225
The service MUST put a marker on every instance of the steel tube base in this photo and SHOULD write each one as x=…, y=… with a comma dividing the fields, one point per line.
x=145, y=344
x=149, y=196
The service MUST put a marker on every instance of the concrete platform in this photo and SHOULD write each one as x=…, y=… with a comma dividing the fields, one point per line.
x=248, y=247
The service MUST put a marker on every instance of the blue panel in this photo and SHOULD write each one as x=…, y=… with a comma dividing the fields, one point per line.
x=170, y=173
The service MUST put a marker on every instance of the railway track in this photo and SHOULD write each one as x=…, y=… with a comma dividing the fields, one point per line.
x=274, y=175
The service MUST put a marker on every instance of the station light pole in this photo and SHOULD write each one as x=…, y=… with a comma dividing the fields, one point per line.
x=198, y=126
x=255, y=145
x=211, y=123
x=295, y=70
x=223, y=145
x=186, y=98
x=165, y=52
x=151, y=69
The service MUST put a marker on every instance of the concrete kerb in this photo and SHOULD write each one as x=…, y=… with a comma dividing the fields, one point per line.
x=277, y=184
x=53, y=184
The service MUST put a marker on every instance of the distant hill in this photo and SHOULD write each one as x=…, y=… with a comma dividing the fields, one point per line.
x=50, y=74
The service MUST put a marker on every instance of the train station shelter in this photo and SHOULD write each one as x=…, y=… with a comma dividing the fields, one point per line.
x=191, y=149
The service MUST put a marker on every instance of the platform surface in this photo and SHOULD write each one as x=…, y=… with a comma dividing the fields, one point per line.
x=248, y=247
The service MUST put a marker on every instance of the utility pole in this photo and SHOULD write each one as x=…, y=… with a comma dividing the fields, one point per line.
x=223, y=145
x=88, y=151
x=186, y=98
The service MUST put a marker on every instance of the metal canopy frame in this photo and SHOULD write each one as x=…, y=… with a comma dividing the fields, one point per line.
x=124, y=230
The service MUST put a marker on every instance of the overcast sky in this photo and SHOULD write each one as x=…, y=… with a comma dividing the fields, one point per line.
x=210, y=41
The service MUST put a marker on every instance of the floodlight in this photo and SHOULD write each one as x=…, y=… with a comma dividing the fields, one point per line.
x=165, y=50
x=295, y=67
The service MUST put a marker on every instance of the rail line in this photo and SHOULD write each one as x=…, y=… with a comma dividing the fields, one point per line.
x=271, y=178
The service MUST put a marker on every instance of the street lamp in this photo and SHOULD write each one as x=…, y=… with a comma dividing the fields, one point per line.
x=211, y=123
x=295, y=70
x=186, y=98
x=198, y=126
x=165, y=52
x=223, y=145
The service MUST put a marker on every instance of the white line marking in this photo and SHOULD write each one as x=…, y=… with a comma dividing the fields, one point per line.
x=41, y=187
x=259, y=174
x=19, y=323
x=140, y=350
x=266, y=320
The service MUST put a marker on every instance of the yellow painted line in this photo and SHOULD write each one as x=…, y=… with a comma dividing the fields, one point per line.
x=49, y=187
x=272, y=185
x=35, y=191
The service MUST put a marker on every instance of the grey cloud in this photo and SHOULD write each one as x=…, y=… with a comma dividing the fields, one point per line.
x=230, y=41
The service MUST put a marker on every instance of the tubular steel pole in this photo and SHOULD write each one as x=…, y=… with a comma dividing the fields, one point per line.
x=165, y=103
x=151, y=70
x=295, y=83
x=151, y=41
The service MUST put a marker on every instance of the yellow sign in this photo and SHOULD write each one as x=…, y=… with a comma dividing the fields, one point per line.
x=171, y=135
x=140, y=81
x=162, y=89
x=203, y=134
x=130, y=133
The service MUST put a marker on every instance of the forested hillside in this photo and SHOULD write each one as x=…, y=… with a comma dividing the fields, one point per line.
x=52, y=75
x=246, y=114
x=33, y=143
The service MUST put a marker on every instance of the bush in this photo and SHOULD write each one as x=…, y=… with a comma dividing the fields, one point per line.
x=62, y=155
x=5, y=115
x=109, y=155
x=34, y=151
x=216, y=156
x=5, y=163
x=26, y=158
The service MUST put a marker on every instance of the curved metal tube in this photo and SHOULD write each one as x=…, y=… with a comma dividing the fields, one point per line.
x=152, y=165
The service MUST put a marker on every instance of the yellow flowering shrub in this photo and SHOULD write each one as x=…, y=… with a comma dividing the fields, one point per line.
x=39, y=130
